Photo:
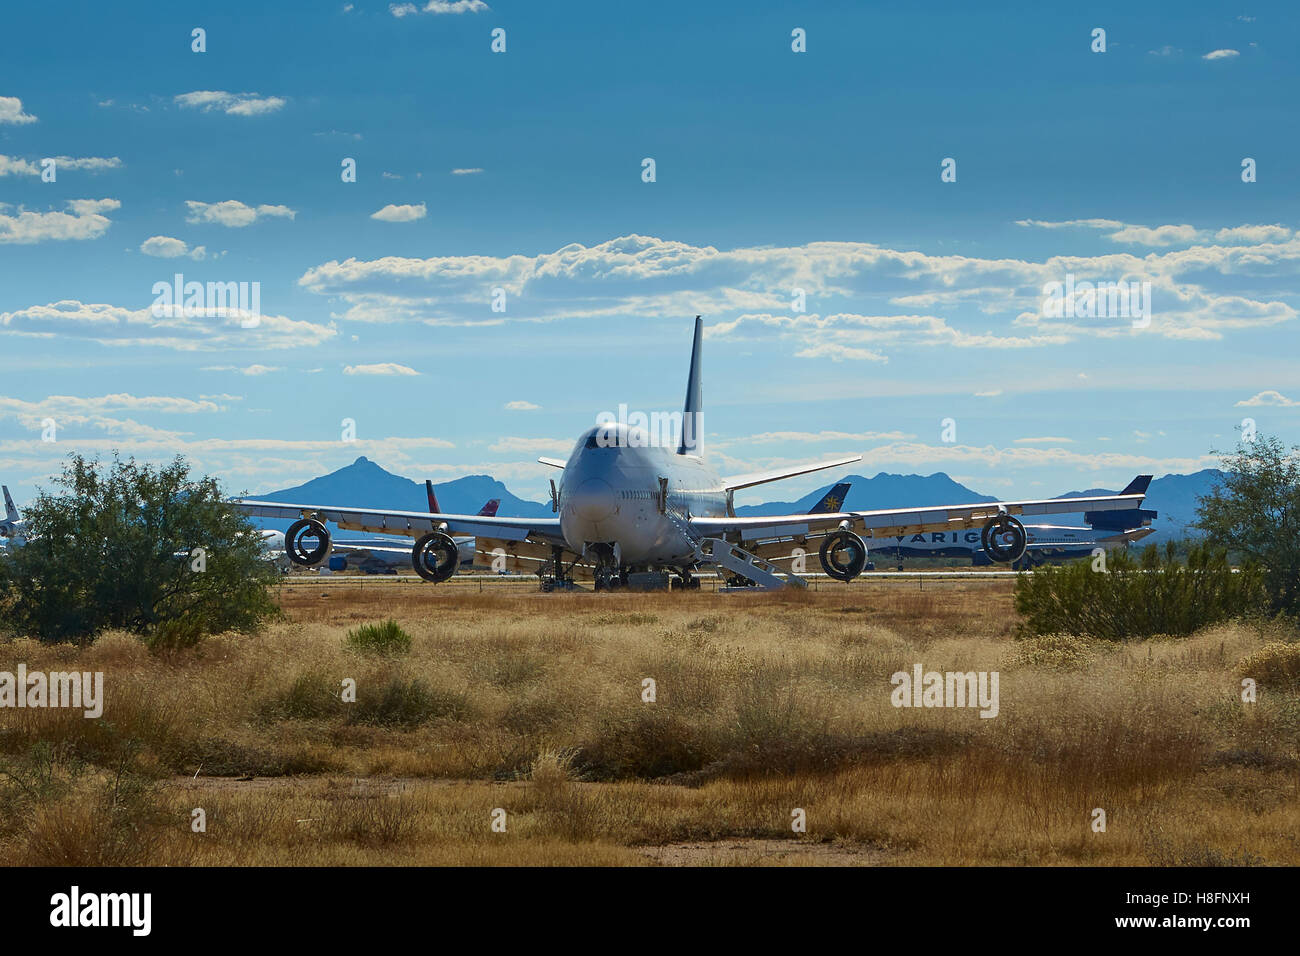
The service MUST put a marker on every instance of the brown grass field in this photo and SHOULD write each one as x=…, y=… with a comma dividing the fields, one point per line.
x=532, y=703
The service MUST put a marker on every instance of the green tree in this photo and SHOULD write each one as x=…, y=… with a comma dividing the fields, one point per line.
x=152, y=550
x=1255, y=513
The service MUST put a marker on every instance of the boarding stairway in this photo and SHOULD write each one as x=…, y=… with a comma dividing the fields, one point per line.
x=722, y=553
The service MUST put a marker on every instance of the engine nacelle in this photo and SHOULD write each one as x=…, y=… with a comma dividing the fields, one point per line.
x=1004, y=539
x=435, y=557
x=296, y=548
x=843, y=555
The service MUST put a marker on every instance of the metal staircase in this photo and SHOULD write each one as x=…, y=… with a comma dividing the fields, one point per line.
x=717, y=551
x=737, y=560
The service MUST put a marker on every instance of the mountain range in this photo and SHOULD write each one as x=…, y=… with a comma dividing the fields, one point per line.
x=364, y=484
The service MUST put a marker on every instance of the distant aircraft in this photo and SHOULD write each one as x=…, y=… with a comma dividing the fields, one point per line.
x=832, y=500
x=1046, y=542
x=379, y=557
x=630, y=507
x=273, y=549
x=13, y=529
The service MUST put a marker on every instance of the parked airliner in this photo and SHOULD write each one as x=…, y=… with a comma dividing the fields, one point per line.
x=629, y=509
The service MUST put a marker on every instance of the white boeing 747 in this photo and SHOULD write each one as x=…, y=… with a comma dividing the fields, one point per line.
x=629, y=510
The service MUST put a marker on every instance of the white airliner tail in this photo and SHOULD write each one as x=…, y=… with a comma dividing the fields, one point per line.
x=693, y=410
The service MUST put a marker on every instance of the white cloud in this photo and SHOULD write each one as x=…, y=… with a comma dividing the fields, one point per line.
x=165, y=247
x=839, y=353
x=437, y=7
x=1252, y=234
x=747, y=290
x=1269, y=397
x=1220, y=54
x=382, y=368
x=472, y=171
x=391, y=213
x=84, y=220
x=1045, y=440
x=252, y=370
x=115, y=325
x=820, y=436
x=13, y=165
x=233, y=213
x=1165, y=51
x=11, y=111
x=989, y=393
x=522, y=406
x=1159, y=236
x=233, y=104
x=90, y=164
x=1124, y=232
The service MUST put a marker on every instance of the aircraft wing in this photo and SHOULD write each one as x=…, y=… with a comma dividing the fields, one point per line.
x=411, y=524
x=894, y=522
x=736, y=482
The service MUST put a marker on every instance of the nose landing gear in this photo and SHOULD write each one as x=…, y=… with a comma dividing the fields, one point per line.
x=609, y=578
x=554, y=575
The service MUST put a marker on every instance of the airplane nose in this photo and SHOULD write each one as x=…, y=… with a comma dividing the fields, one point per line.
x=594, y=500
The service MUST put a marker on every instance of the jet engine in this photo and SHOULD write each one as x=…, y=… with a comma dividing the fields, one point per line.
x=843, y=555
x=1004, y=538
x=435, y=557
x=299, y=531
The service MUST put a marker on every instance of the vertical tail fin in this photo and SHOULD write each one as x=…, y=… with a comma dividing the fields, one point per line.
x=490, y=509
x=433, y=499
x=11, y=513
x=832, y=501
x=693, y=412
x=1138, y=486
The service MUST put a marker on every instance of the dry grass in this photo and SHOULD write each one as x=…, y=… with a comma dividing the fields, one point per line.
x=533, y=704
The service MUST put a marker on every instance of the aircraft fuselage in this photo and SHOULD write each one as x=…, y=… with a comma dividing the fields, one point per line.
x=609, y=494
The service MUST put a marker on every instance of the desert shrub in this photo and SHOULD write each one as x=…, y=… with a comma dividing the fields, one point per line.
x=406, y=703
x=311, y=696
x=122, y=823
x=550, y=774
x=643, y=742
x=1275, y=664
x=386, y=637
x=1156, y=594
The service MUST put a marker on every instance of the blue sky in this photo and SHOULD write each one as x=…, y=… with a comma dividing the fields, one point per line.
x=522, y=170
